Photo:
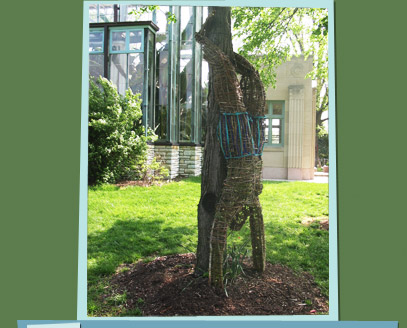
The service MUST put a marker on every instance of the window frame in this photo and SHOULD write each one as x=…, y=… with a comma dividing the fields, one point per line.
x=270, y=116
x=127, y=46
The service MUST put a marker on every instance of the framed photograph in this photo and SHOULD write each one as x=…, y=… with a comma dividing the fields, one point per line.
x=208, y=162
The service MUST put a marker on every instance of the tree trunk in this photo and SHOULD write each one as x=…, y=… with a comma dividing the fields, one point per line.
x=214, y=164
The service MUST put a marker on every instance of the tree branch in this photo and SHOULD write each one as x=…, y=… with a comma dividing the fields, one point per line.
x=272, y=22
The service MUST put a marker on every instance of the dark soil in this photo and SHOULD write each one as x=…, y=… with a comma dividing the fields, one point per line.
x=168, y=286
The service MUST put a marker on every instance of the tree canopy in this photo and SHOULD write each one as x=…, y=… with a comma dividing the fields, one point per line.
x=270, y=36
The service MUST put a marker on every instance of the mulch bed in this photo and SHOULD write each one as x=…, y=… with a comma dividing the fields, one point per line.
x=146, y=183
x=140, y=183
x=168, y=286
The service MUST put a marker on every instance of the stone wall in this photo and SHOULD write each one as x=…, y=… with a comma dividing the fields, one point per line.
x=169, y=156
x=150, y=154
x=182, y=161
x=190, y=161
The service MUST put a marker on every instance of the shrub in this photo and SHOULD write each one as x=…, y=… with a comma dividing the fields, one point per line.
x=117, y=137
x=323, y=146
x=151, y=172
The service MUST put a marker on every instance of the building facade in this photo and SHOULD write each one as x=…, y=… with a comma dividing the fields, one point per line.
x=154, y=53
x=159, y=59
x=290, y=149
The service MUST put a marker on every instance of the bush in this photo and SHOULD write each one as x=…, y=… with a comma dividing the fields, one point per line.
x=323, y=146
x=116, y=135
x=151, y=172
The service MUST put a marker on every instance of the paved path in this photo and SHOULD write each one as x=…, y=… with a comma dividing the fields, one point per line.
x=319, y=177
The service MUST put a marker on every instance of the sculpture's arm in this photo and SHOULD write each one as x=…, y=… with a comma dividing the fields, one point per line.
x=254, y=96
x=226, y=84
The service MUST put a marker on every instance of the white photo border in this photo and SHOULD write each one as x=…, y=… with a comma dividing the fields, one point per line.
x=83, y=192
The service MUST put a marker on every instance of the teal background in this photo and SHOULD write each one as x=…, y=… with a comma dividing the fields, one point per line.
x=40, y=136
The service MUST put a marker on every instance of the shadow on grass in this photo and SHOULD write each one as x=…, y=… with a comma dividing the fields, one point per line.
x=191, y=179
x=198, y=180
x=128, y=240
x=275, y=182
x=301, y=248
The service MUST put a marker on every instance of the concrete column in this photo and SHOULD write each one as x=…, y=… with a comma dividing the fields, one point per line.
x=301, y=135
x=295, y=131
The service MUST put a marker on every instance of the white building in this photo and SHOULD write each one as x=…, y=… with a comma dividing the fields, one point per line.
x=290, y=149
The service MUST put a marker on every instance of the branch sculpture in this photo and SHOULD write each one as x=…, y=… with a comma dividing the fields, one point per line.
x=241, y=136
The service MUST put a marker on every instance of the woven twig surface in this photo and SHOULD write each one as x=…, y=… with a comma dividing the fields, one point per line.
x=242, y=105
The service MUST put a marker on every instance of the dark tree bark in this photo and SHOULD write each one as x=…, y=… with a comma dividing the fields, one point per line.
x=214, y=165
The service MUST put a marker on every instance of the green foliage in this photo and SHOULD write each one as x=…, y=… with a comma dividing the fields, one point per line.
x=136, y=312
x=117, y=299
x=272, y=35
x=150, y=172
x=117, y=139
x=233, y=262
x=323, y=145
x=171, y=18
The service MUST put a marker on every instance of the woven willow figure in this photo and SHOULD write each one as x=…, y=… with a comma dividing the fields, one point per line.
x=241, y=133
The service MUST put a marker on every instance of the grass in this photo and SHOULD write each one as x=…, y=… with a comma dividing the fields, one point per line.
x=140, y=223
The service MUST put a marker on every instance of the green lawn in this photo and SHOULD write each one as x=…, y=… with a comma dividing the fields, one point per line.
x=133, y=223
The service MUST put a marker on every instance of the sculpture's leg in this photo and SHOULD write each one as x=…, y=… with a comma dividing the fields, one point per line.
x=218, y=243
x=256, y=219
x=258, y=239
x=243, y=182
x=236, y=189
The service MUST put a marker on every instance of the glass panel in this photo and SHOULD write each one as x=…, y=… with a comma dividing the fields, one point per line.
x=162, y=65
x=275, y=122
x=135, y=39
x=93, y=14
x=118, y=71
x=275, y=135
x=175, y=81
x=186, y=74
x=101, y=13
x=96, y=41
x=136, y=72
x=96, y=65
x=204, y=13
x=118, y=41
x=197, y=125
x=127, y=16
x=204, y=103
x=125, y=11
x=151, y=59
x=186, y=88
x=148, y=16
x=266, y=130
x=277, y=108
x=161, y=19
x=106, y=13
x=187, y=23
